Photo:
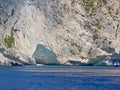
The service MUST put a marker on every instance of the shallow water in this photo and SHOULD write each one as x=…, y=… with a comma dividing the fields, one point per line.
x=59, y=78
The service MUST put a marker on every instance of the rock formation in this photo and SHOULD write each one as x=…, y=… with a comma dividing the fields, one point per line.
x=77, y=30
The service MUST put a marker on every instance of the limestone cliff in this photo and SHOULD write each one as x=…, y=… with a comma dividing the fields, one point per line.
x=72, y=30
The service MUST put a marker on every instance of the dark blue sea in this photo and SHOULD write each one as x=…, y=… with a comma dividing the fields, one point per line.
x=59, y=78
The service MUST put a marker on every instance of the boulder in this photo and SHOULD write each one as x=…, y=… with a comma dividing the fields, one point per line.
x=4, y=61
x=43, y=55
x=17, y=56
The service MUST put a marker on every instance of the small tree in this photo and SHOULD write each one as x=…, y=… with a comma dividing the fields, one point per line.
x=9, y=41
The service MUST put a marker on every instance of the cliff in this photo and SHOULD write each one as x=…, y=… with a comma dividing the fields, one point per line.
x=70, y=32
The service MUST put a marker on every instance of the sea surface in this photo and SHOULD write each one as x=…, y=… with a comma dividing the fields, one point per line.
x=59, y=78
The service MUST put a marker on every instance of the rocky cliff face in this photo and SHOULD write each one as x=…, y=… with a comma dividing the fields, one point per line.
x=67, y=30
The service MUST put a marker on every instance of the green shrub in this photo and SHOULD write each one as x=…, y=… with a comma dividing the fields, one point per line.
x=98, y=24
x=9, y=41
x=73, y=52
x=90, y=5
x=101, y=3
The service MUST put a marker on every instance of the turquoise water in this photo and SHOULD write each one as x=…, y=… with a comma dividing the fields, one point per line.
x=59, y=78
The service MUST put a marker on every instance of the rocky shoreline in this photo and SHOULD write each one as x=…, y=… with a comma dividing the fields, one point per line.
x=12, y=57
x=60, y=32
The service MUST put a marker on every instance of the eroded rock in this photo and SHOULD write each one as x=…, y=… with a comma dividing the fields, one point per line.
x=43, y=55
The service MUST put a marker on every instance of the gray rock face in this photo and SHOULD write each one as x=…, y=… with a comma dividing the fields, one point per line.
x=70, y=28
x=14, y=57
x=8, y=60
x=19, y=57
x=44, y=55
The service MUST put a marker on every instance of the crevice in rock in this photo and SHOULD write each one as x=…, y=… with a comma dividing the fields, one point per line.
x=117, y=30
x=13, y=29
